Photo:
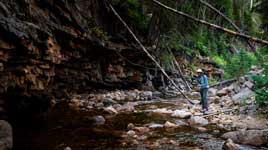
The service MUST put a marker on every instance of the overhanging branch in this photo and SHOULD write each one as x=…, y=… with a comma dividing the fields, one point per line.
x=231, y=32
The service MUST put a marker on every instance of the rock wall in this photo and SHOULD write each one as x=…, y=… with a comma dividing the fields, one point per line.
x=51, y=48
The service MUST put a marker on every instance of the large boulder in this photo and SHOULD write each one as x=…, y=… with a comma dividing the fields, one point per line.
x=5, y=135
x=222, y=92
x=212, y=92
x=181, y=114
x=243, y=94
x=248, y=137
x=197, y=121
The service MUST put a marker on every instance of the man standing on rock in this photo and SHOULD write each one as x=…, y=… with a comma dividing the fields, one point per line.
x=202, y=80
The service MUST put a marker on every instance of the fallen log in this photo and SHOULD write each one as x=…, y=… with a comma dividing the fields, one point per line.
x=225, y=30
x=148, y=54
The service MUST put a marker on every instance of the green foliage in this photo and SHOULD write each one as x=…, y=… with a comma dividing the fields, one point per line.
x=261, y=89
x=219, y=60
x=136, y=15
x=240, y=64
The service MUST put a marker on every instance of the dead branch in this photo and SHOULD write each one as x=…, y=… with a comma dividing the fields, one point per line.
x=148, y=54
x=228, y=31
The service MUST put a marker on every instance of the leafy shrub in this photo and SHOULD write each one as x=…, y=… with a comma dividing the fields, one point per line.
x=261, y=90
x=219, y=60
x=240, y=64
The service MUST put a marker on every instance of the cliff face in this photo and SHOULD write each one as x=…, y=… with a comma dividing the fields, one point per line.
x=49, y=48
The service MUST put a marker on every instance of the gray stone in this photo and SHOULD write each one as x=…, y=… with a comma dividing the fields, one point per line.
x=99, y=120
x=243, y=94
x=154, y=125
x=230, y=145
x=6, y=141
x=147, y=95
x=181, y=114
x=222, y=92
x=248, y=137
x=170, y=125
x=131, y=133
x=212, y=92
x=110, y=110
x=249, y=84
x=157, y=94
x=194, y=94
x=197, y=121
x=130, y=126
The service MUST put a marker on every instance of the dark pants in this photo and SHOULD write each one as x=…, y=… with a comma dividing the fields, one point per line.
x=204, y=100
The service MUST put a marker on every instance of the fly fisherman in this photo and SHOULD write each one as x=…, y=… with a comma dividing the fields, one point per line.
x=202, y=80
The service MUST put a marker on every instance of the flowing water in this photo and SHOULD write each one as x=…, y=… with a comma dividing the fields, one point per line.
x=78, y=130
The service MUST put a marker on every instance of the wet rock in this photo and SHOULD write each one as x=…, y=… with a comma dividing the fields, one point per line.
x=6, y=141
x=154, y=125
x=197, y=121
x=249, y=84
x=110, y=110
x=141, y=130
x=230, y=145
x=163, y=111
x=130, y=126
x=201, y=129
x=99, y=120
x=99, y=105
x=131, y=133
x=67, y=148
x=181, y=114
x=108, y=101
x=131, y=95
x=128, y=107
x=243, y=94
x=170, y=125
x=248, y=137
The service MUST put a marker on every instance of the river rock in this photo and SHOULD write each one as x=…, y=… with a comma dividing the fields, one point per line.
x=222, y=92
x=230, y=145
x=99, y=120
x=6, y=141
x=67, y=148
x=131, y=133
x=248, y=137
x=130, y=126
x=181, y=114
x=141, y=130
x=212, y=92
x=243, y=94
x=181, y=123
x=170, y=125
x=157, y=94
x=147, y=95
x=163, y=111
x=194, y=94
x=197, y=121
x=110, y=110
x=155, y=125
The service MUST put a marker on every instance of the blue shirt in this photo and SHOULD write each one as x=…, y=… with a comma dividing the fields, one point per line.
x=203, y=81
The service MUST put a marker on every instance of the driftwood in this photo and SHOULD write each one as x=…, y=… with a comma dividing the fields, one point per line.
x=225, y=30
x=227, y=19
x=223, y=83
x=148, y=54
